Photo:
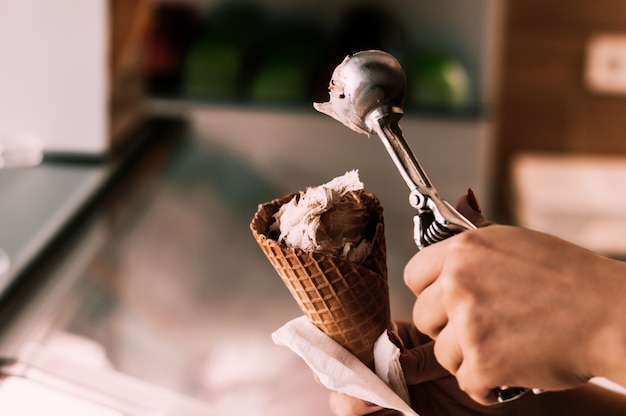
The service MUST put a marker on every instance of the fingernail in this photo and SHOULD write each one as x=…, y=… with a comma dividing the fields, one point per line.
x=473, y=201
x=395, y=340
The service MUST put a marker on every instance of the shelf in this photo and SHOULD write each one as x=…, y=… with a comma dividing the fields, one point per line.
x=175, y=106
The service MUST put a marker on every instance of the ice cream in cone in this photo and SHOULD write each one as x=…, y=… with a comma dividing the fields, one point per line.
x=340, y=286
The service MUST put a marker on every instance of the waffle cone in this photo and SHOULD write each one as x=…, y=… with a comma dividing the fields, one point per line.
x=349, y=302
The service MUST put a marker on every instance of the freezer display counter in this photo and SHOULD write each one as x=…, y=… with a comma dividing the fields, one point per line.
x=153, y=299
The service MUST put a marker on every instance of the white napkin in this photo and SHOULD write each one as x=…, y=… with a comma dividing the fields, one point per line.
x=339, y=370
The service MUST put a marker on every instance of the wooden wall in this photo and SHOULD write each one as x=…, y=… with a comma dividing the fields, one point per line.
x=544, y=104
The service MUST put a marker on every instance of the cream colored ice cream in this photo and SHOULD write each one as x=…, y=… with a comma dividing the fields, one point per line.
x=329, y=219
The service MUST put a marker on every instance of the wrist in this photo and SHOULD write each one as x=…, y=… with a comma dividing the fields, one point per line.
x=608, y=343
x=609, y=356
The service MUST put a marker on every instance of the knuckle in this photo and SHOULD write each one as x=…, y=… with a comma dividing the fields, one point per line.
x=477, y=387
x=470, y=389
x=462, y=266
x=445, y=360
x=463, y=383
x=482, y=362
x=336, y=404
x=469, y=241
x=408, y=275
x=411, y=271
x=476, y=324
x=423, y=321
x=457, y=280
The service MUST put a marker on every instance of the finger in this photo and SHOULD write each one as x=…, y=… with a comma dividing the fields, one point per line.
x=424, y=267
x=469, y=207
x=448, y=351
x=420, y=365
x=344, y=405
x=429, y=314
x=449, y=354
x=420, y=273
x=473, y=385
x=317, y=380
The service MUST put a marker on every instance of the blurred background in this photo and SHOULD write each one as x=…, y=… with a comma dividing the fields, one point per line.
x=137, y=138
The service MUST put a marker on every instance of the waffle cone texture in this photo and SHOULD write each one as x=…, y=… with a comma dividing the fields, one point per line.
x=349, y=302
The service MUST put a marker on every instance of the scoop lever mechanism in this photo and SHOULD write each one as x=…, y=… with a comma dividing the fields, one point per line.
x=436, y=219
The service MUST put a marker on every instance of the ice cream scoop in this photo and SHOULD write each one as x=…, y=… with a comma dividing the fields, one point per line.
x=367, y=94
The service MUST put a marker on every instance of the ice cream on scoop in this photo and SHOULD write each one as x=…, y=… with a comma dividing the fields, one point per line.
x=330, y=219
x=364, y=82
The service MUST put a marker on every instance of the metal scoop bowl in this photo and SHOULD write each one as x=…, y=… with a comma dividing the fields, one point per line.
x=362, y=83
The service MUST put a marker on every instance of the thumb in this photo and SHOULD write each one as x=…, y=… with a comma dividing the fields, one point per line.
x=469, y=207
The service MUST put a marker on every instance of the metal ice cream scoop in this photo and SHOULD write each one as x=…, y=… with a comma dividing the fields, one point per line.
x=367, y=95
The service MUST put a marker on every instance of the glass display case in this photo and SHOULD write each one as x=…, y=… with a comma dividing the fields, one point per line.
x=153, y=298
